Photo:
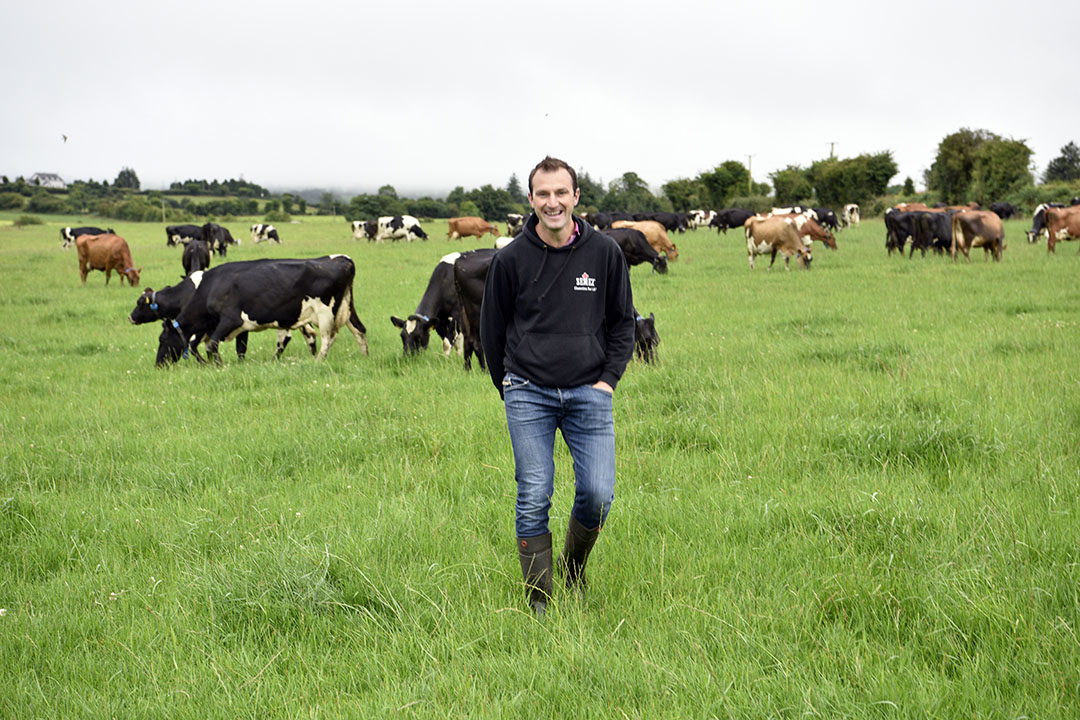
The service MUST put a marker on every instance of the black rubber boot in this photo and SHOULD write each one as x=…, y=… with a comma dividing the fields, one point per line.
x=535, y=556
x=579, y=542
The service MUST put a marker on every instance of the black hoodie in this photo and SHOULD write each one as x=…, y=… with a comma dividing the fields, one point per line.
x=558, y=317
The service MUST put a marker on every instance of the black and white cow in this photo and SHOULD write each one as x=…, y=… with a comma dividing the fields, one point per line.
x=166, y=304
x=728, y=218
x=470, y=272
x=218, y=238
x=636, y=248
x=390, y=227
x=239, y=297
x=68, y=234
x=196, y=256
x=182, y=234
x=826, y=218
x=261, y=232
x=645, y=336
x=439, y=308
x=1038, y=221
x=850, y=215
x=515, y=222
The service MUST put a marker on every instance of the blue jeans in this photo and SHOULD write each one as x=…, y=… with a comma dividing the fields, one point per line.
x=583, y=414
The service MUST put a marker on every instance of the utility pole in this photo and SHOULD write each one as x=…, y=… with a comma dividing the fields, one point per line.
x=749, y=175
x=831, y=153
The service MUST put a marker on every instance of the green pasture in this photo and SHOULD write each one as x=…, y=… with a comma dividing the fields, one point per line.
x=844, y=493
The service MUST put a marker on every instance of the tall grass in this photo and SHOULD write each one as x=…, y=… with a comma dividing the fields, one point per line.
x=849, y=492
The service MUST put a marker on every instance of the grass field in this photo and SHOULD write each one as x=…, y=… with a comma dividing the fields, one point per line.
x=848, y=492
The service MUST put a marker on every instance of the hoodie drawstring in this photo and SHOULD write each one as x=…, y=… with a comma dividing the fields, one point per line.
x=557, y=274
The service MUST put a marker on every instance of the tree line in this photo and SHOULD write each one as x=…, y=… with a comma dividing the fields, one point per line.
x=970, y=165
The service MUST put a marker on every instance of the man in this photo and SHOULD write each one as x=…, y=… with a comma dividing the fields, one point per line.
x=557, y=329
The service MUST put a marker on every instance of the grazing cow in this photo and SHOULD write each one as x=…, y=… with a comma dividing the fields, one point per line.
x=196, y=256
x=68, y=234
x=656, y=235
x=218, y=238
x=932, y=230
x=899, y=228
x=700, y=218
x=1038, y=221
x=672, y=222
x=501, y=242
x=809, y=230
x=514, y=224
x=166, y=304
x=459, y=227
x=439, y=308
x=977, y=228
x=239, y=297
x=645, y=337
x=390, y=227
x=182, y=234
x=636, y=248
x=1062, y=224
x=261, y=232
x=851, y=215
x=827, y=218
x=730, y=218
x=106, y=252
x=470, y=272
x=1003, y=210
x=775, y=235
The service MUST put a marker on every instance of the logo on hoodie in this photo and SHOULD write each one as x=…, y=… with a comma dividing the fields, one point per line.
x=585, y=283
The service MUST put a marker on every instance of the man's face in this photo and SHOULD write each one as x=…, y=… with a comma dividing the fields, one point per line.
x=553, y=198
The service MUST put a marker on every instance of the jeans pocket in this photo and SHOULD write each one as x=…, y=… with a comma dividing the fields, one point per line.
x=513, y=382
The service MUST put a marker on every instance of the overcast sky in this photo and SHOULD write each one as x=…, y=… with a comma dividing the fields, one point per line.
x=428, y=95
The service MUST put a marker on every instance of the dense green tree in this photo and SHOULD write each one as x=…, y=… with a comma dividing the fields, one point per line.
x=592, y=192
x=513, y=187
x=792, y=185
x=1001, y=167
x=630, y=193
x=127, y=179
x=686, y=194
x=857, y=179
x=456, y=196
x=953, y=168
x=1065, y=166
x=388, y=191
x=909, y=186
x=494, y=203
x=726, y=180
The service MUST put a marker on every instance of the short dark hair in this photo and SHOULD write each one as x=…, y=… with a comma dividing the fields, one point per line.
x=550, y=164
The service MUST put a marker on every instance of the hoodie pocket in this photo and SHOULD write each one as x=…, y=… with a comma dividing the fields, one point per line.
x=553, y=353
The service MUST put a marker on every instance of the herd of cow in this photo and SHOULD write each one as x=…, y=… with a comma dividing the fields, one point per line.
x=315, y=297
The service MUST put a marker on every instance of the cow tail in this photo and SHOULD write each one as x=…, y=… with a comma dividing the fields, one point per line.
x=955, y=229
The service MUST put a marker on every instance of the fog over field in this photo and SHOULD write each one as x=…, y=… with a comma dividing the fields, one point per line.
x=426, y=96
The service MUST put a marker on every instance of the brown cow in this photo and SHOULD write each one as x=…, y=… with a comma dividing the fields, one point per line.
x=106, y=252
x=977, y=228
x=809, y=228
x=459, y=227
x=910, y=207
x=655, y=233
x=776, y=234
x=1062, y=224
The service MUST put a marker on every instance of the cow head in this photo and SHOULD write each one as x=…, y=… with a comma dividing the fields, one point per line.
x=171, y=344
x=132, y=274
x=146, y=308
x=659, y=264
x=66, y=238
x=828, y=239
x=805, y=257
x=414, y=332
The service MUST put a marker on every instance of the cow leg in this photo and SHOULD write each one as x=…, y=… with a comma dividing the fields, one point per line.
x=309, y=338
x=224, y=327
x=283, y=337
x=241, y=345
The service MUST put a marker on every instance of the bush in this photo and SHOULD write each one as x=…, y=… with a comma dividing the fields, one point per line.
x=130, y=207
x=43, y=202
x=1027, y=197
x=277, y=216
x=28, y=220
x=11, y=201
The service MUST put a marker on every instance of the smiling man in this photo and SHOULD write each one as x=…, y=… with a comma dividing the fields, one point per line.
x=557, y=329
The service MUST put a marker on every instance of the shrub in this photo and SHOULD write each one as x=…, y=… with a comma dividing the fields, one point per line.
x=11, y=201
x=43, y=202
x=28, y=220
x=757, y=203
x=277, y=216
